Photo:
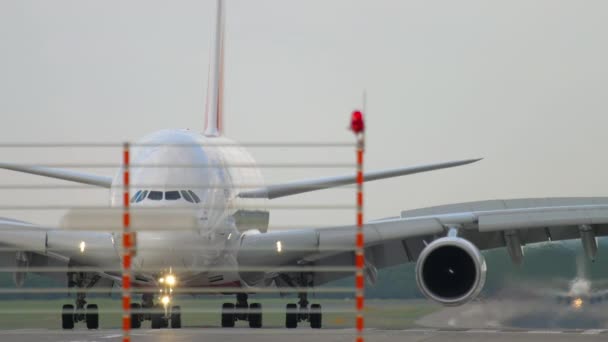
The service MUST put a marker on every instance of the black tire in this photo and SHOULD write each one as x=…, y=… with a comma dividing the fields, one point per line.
x=67, y=316
x=157, y=321
x=92, y=317
x=291, y=316
x=228, y=315
x=157, y=318
x=176, y=317
x=316, y=316
x=255, y=315
x=240, y=312
x=136, y=316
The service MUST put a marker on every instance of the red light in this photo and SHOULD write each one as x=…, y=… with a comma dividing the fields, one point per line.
x=356, y=122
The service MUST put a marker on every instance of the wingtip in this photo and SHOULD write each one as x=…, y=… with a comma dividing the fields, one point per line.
x=471, y=161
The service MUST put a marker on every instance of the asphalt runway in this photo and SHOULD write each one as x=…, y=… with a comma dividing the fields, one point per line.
x=303, y=335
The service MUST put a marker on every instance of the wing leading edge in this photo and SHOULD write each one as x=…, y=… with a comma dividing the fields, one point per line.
x=68, y=175
x=298, y=187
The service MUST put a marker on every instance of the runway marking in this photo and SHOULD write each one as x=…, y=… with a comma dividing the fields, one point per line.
x=544, y=332
x=421, y=330
x=491, y=331
x=593, y=331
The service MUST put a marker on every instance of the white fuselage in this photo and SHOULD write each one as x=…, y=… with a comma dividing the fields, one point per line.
x=182, y=168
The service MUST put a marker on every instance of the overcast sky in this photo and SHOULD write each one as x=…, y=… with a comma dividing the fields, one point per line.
x=523, y=84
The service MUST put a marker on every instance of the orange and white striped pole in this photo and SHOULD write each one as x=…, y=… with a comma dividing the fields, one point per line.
x=127, y=249
x=357, y=125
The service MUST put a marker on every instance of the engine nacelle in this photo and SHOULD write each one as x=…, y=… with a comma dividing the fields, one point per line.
x=450, y=271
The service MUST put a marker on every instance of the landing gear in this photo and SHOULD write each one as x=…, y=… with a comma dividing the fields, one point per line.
x=241, y=311
x=92, y=317
x=163, y=313
x=228, y=316
x=67, y=316
x=159, y=320
x=176, y=317
x=293, y=315
x=71, y=314
x=255, y=315
x=136, y=316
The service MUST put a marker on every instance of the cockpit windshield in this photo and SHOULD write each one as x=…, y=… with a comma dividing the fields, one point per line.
x=172, y=195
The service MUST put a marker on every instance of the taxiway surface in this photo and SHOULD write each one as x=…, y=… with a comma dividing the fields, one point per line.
x=303, y=335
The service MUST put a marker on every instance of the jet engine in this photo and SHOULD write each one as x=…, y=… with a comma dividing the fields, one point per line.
x=450, y=271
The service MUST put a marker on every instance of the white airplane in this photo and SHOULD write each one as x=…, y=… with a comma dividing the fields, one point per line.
x=231, y=251
x=581, y=290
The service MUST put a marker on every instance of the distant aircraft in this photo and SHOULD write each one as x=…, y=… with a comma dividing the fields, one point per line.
x=581, y=290
x=231, y=252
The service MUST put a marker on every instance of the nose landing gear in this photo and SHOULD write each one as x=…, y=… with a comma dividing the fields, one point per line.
x=163, y=313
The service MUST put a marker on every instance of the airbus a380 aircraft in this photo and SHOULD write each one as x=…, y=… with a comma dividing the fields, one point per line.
x=231, y=250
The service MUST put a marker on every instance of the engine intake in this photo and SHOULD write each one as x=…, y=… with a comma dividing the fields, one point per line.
x=450, y=271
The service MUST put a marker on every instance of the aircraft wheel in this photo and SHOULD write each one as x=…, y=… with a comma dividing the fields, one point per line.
x=176, y=317
x=315, y=317
x=255, y=315
x=157, y=318
x=136, y=316
x=67, y=316
x=291, y=316
x=228, y=315
x=92, y=317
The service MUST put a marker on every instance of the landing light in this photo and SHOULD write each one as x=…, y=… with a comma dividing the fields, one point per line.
x=165, y=300
x=82, y=246
x=577, y=303
x=170, y=279
x=279, y=247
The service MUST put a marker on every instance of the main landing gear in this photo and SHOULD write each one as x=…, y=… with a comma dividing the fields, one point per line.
x=242, y=311
x=71, y=314
x=313, y=315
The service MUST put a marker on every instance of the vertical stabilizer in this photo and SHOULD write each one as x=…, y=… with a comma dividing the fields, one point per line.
x=215, y=87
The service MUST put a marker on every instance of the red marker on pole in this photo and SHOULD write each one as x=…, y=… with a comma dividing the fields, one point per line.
x=357, y=125
x=127, y=249
x=356, y=122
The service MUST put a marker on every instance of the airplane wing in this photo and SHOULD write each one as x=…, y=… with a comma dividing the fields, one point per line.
x=26, y=247
x=270, y=192
x=298, y=187
x=68, y=175
x=401, y=239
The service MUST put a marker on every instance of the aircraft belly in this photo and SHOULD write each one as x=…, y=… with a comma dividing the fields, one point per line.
x=182, y=252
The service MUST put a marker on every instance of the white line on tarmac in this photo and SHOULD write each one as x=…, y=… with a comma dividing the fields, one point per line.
x=593, y=331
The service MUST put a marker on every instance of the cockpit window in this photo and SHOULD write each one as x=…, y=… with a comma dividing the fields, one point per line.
x=172, y=195
x=186, y=196
x=134, y=198
x=142, y=196
x=155, y=195
x=196, y=199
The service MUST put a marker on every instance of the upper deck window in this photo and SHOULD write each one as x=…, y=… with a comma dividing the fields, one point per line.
x=172, y=195
x=155, y=195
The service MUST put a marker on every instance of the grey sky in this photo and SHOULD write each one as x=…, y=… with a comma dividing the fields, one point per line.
x=522, y=83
